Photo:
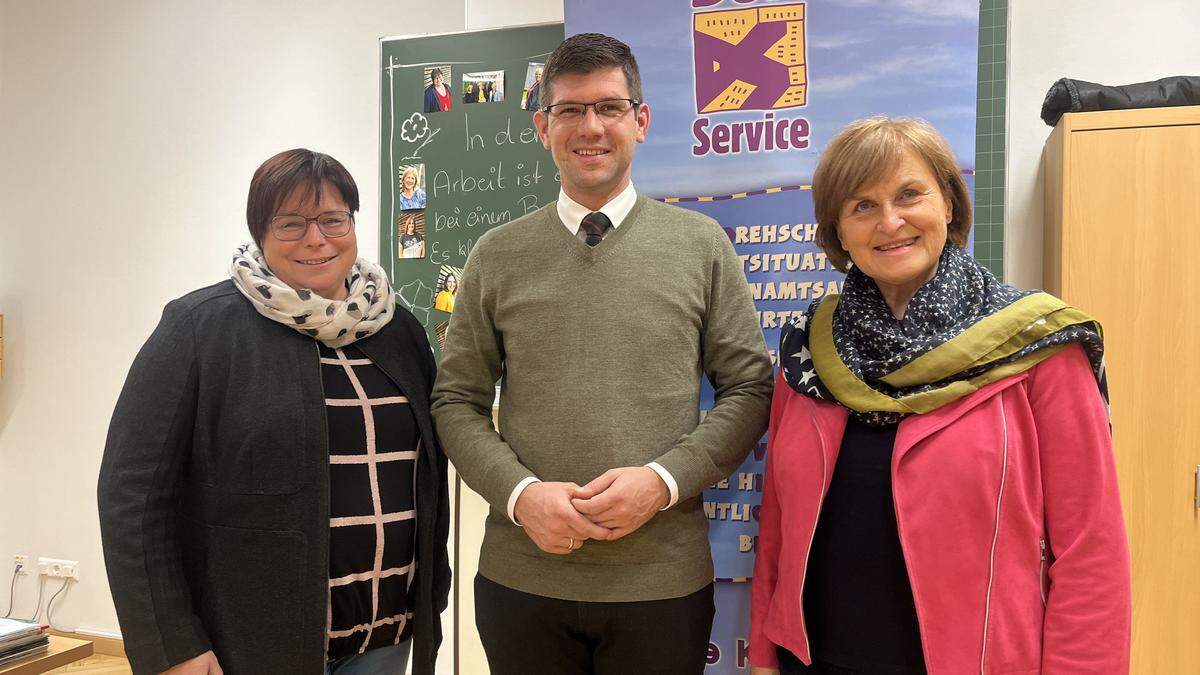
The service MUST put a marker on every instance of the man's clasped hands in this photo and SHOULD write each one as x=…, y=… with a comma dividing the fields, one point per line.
x=560, y=517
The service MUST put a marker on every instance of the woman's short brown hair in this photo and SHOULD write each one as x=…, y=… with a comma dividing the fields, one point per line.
x=287, y=171
x=862, y=153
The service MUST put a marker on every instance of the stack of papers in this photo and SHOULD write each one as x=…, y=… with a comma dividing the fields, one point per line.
x=19, y=639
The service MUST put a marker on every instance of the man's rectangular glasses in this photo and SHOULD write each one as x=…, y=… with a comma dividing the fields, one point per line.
x=608, y=110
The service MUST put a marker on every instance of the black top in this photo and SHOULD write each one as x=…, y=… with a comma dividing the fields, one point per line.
x=214, y=491
x=858, y=603
x=373, y=446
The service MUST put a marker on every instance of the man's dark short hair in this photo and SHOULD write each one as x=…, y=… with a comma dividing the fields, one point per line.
x=585, y=53
x=280, y=175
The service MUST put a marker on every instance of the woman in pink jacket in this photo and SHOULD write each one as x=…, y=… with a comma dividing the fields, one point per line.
x=940, y=493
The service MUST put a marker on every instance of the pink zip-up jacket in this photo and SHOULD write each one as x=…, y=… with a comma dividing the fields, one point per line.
x=1009, y=518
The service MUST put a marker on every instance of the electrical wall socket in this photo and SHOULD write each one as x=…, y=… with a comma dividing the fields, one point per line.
x=23, y=561
x=60, y=569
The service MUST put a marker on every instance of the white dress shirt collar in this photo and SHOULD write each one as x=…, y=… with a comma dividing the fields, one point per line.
x=572, y=212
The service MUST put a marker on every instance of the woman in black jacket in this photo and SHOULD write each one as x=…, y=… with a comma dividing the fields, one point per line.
x=272, y=496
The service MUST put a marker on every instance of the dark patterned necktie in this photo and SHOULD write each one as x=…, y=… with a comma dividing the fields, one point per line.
x=594, y=225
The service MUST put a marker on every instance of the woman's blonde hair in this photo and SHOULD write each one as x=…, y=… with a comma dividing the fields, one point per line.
x=862, y=153
x=416, y=176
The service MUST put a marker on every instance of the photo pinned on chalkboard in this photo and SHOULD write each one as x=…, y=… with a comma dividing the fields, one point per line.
x=439, y=331
x=447, y=287
x=410, y=231
x=531, y=96
x=438, y=95
x=411, y=181
x=483, y=87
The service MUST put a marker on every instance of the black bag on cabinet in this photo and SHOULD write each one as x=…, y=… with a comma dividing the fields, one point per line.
x=1068, y=95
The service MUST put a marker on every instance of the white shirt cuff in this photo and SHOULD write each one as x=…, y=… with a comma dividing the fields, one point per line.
x=667, y=478
x=512, y=498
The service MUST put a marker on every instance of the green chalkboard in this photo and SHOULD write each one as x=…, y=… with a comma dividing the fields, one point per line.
x=448, y=176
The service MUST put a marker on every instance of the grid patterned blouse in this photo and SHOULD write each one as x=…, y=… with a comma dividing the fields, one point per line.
x=373, y=443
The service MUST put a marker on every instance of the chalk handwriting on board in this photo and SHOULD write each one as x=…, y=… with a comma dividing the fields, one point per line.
x=497, y=178
x=473, y=218
x=444, y=183
x=528, y=204
x=438, y=254
x=502, y=137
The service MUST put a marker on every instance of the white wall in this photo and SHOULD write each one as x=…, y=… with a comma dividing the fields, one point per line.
x=1105, y=41
x=2, y=17
x=496, y=13
x=129, y=132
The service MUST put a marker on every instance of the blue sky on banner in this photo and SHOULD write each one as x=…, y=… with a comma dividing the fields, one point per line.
x=863, y=57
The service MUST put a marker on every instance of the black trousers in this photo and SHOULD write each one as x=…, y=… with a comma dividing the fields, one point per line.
x=789, y=664
x=529, y=634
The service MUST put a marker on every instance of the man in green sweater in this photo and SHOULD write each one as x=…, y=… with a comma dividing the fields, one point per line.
x=602, y=312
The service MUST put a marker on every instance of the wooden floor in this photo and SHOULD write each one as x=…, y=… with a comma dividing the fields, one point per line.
x=97, y=664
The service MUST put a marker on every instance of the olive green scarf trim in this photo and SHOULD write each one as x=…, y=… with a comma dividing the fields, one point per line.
x=991, y=340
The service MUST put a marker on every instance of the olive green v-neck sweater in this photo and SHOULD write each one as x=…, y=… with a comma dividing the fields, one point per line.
x=602, y=352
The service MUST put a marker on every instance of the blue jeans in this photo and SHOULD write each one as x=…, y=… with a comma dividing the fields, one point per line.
x=391, y=660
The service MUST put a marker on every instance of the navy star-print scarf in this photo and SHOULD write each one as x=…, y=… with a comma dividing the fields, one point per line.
x=872, y=343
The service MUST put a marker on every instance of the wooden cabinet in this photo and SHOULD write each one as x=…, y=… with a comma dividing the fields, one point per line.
x=1123, y=244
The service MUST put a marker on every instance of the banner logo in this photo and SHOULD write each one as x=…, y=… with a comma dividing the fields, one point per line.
x=745, y=59
x=750, y=59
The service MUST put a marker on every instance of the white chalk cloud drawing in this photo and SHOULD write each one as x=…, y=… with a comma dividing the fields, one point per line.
x=417, y=298
x=416, y=128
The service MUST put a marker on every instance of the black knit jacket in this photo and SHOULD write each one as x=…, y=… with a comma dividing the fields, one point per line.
x=214, y=490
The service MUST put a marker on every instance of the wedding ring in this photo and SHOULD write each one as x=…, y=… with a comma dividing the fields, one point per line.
x=570, y=544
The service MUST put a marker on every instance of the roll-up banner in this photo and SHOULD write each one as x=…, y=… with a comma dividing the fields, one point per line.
x=744, y=95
